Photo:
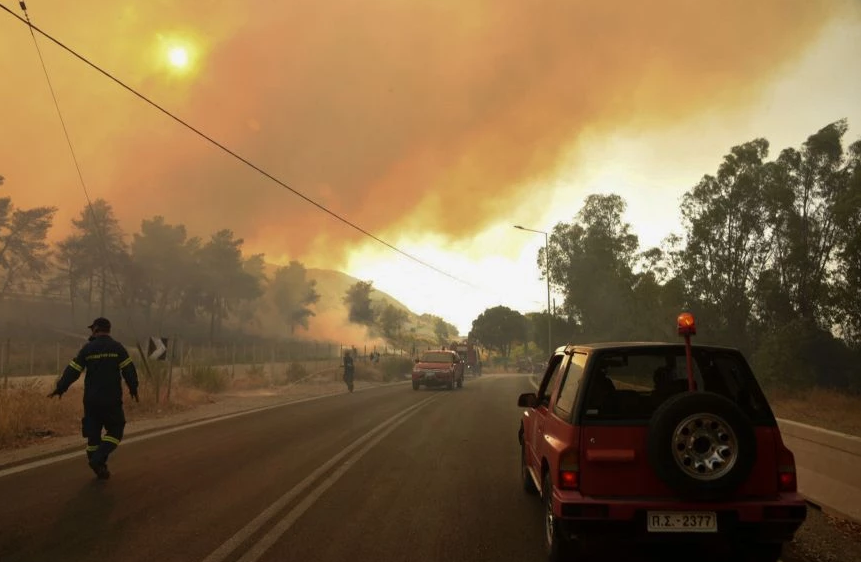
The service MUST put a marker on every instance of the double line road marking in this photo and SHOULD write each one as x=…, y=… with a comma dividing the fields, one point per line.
x=352, y=454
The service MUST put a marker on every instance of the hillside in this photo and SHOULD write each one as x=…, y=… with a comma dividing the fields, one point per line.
x=331, y=313
x=332, y=285
x=36, y=317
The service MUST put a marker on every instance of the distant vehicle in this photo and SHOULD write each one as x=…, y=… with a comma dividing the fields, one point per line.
x=437, y=368
x=658, y=443
x=469, y=354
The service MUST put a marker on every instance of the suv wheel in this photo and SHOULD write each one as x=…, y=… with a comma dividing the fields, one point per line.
x=416, y=385
x=559, y=546
x=525, y=476
x=460, y=382
x=701, y=444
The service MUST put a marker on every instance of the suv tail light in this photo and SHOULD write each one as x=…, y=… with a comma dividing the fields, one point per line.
x=569, y=470
x=786, y=479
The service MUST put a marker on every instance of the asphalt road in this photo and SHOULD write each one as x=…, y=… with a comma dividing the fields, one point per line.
x=383, y=475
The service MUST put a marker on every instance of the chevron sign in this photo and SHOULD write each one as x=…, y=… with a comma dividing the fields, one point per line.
x=157, y=349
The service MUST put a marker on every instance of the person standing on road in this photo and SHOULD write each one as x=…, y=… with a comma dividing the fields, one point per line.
x=107, y=362
x=349, y=370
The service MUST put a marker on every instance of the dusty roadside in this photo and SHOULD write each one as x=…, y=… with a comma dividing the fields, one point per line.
x=33, y=426
x=214, y=406
x=825, y=538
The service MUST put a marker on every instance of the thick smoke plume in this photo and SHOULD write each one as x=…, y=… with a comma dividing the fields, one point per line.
x=424, y=115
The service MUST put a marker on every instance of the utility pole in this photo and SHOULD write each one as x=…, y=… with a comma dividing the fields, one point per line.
x=549, y=311
x=547, y=275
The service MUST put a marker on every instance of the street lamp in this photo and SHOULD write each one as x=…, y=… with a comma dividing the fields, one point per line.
x=547, y=272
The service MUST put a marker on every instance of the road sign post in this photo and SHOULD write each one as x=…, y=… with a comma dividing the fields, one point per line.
x=156, y=351
x=172, y=352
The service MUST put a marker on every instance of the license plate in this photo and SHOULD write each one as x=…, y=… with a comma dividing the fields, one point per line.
x=429, y=375
x=682, y=522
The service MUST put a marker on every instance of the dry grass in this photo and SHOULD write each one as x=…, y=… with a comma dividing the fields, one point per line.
x=365, y=372
x=28, y=416
x=254, y=378
x=828, y=409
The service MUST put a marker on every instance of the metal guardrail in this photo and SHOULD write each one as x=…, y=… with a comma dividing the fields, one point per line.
x=828, y=465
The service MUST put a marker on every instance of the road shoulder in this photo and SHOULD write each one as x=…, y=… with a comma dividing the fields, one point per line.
x=221, y=405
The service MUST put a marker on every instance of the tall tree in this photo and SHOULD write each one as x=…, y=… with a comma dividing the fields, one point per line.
x=591, y=262
x=248, y=311
x=658, y=296
x=729, y=220
x=71, y=265
x=563, y=330
x=390, y=320
x=498, y=328
x=98, y=250
x=225, y=281
x=847, y=290
x=163, y=259
x=813, y=187
x=441, y=331
x=23, y=247
x=191, y=299
x=294, y=295
x=358, y=302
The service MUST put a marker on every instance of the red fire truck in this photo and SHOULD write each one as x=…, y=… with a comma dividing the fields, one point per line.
x=471, y=356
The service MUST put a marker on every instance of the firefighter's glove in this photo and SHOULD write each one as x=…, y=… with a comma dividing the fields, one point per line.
x=134, y=394
x=55, y=393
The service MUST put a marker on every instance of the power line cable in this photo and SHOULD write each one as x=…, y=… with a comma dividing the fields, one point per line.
x=232, y=153
x=106, y=254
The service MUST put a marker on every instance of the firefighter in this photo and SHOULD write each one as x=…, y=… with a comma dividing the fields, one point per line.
x=349, y=370
x=106, y=361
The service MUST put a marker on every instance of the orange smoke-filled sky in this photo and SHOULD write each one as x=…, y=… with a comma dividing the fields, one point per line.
x=430, y=123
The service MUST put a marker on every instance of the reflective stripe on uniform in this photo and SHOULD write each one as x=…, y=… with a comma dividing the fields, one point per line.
x=102, y=356
x=110, y=439
x=75, y=366
x=126, y=363
x=92, y=448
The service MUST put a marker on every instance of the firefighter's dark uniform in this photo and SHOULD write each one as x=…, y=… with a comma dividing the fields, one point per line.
x=105, y=360
x=349, y=371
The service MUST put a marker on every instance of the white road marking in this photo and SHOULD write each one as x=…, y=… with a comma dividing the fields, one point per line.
x=369, y=439
x=135, y=439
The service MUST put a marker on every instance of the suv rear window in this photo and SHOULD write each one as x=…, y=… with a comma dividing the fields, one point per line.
x=629, y=384
x=438, y=357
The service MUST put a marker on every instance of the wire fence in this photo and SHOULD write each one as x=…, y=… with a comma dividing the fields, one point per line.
x=36, y=359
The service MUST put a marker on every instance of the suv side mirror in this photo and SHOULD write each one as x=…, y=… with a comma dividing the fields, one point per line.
x=528, y=400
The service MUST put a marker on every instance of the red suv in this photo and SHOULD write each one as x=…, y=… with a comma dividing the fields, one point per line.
x=657, y=443
x=438, y=368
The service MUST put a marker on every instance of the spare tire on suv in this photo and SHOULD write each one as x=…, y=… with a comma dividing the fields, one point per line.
x=701, y=445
